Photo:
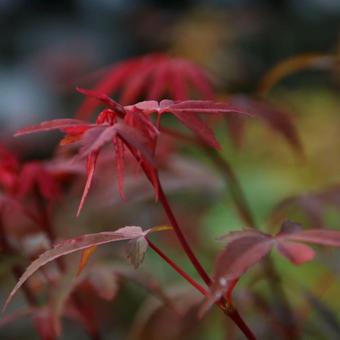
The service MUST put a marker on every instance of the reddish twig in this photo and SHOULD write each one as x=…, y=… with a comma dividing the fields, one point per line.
x=227, y=309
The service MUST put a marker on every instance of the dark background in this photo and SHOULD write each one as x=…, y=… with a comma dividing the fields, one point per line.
x=47, y=46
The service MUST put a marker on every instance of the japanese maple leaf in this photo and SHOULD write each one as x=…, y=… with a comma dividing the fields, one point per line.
x=248, y=247
x=152, y=76
x=80, y=243
x=92, y=137
x=158, y=76
x=186, y=111
x=132, y=126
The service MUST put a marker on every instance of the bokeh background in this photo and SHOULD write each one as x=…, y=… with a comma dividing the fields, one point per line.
x=49, y=47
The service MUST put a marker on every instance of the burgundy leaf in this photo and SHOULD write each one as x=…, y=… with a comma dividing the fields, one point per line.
x=297, y=253
x=205, y=106
x=56, y=124
x=199, y=127
x=136, y=139
x=73, y=245
x=238, y=256
x=325, y=237
x=239, y=234
x=94, y=139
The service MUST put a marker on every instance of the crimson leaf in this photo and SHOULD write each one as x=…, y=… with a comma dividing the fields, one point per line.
x=73, y=245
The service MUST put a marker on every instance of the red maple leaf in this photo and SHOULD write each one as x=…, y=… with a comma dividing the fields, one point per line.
x=248, y=247
x=131, y=127
x=153, y=76
x=159, y=76
x=92, y=137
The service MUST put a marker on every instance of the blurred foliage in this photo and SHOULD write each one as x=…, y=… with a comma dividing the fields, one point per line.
x=48, y=47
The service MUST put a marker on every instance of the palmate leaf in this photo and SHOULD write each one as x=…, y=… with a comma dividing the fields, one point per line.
x=246, y=248
x=120, y=134
x=234, y=110
x=187, y=112
x=92, y=137
x=132, y=127
x=156, y=76
x=153, y=76
x=239, y=255
x=73, y=245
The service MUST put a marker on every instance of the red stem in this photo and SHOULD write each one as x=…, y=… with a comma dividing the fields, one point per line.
x=179, y=270
x=236, y=317
x=186, y=247
x=228, y=310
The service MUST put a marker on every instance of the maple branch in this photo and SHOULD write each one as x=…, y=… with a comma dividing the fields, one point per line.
x=166, y=206
x=246, y=215
x=179, y=270
x=227, y=309
x=182, y=239
x=236, y=317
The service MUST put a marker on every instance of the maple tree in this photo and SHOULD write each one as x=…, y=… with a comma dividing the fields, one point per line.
x=135, y=130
